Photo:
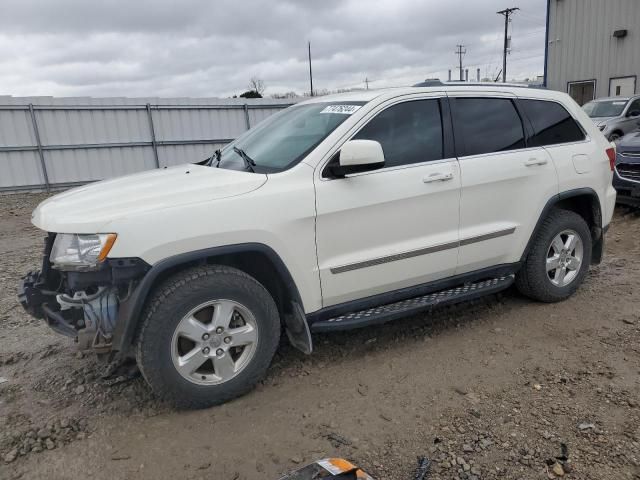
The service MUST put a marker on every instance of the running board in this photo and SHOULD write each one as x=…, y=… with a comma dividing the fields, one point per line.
x=403, y=308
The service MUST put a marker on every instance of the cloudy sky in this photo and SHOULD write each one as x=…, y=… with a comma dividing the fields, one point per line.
x=212, y=48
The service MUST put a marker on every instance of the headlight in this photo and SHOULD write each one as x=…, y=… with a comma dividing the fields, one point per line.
x=80, y=251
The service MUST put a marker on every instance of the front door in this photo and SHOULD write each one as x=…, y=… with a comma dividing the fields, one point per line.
x=398, y=226
x=631, y=120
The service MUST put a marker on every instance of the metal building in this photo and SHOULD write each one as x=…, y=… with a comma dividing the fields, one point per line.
x=593, y=48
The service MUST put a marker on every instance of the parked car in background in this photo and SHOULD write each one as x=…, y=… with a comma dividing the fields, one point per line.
x=336, y=213
x=615, y=116
x=626, y=179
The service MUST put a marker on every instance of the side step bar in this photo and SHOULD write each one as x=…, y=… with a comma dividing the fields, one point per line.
x=403, y=308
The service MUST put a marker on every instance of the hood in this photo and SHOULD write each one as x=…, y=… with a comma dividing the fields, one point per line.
x=599, y=121
x=628, y=149
x=90, y=208
x=630, y=141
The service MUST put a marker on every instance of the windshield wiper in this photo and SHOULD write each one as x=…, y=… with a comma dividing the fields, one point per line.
x=217, y=154
x=247, y=159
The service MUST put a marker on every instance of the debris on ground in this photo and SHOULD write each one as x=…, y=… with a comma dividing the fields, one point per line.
x=423, y=468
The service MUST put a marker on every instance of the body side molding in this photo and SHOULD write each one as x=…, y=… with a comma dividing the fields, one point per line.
x=421, y=251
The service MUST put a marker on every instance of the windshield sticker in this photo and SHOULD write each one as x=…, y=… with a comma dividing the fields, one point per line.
x=619, y=103
x=343, y=109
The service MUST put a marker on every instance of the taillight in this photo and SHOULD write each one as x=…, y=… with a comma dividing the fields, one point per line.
x=611, y=153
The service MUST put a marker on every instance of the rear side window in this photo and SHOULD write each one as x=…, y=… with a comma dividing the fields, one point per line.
x=409, y=132
x=487, y=125
x=551, y=123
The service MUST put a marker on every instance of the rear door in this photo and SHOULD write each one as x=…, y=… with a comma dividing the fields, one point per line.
x=397, y=226
x=505, y=183
x=580, y=161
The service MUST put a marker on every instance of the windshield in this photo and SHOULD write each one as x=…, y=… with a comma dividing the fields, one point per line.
x=285, y=138
x=605, y=108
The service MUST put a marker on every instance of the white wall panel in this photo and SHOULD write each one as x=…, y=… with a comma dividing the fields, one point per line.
x=20, y=169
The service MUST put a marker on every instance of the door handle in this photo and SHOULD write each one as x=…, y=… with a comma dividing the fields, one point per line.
x=437, y=177
x=535, y=161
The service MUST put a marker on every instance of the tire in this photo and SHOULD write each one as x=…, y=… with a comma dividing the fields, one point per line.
x=534, y=280
x=206, y=293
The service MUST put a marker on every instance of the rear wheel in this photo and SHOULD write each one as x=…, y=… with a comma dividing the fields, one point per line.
x=559, y=258
x=208, y=335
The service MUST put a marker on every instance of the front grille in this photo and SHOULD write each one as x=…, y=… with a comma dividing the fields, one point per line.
x=630, y=154
x=629, y=171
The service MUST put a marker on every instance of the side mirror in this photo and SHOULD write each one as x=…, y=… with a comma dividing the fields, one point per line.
x=356, y=156
x=634, y=113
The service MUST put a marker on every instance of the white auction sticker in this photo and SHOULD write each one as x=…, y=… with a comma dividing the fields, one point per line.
x=343, y=109
x=619, y=103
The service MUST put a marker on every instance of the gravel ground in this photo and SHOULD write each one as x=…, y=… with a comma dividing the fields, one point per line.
x=502, y=388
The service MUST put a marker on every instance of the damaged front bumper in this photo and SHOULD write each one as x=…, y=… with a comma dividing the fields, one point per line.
x=37, y=300
x=81, y=305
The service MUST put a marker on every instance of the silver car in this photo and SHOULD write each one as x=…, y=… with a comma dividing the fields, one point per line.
x=615, y=116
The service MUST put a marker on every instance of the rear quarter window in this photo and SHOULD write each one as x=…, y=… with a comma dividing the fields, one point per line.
x=552, y=123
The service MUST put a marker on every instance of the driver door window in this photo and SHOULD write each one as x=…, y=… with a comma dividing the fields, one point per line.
x=634, y=107
x=409, y=132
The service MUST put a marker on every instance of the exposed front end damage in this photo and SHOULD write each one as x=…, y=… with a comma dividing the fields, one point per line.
x=83, y=305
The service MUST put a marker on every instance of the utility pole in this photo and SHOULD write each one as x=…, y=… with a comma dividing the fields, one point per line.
x=507, y=12
x=460, y=52
x=366, y=81
x=310, y=72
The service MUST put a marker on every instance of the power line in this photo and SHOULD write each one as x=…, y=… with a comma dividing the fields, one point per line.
x=507, y=12
x=460, y=52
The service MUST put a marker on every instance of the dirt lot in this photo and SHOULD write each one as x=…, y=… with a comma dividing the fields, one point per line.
x=488, y=390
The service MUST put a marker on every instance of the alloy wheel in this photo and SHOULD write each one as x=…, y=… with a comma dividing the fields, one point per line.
x=214, y=342
x=564, y=258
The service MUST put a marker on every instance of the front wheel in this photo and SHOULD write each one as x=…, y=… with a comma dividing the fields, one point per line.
x=208, y=335
x=559, y=258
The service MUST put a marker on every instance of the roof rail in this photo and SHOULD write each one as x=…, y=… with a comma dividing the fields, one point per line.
x=435, y=82
x=429, y=82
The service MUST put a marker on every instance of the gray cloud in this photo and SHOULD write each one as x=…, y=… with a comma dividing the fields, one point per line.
x=207, y=48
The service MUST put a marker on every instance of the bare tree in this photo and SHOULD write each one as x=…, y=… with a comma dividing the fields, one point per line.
x=257, y=85
x=290, y=94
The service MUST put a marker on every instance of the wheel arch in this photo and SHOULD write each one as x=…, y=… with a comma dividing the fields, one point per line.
x=618, y=131
x=586, y=203
x=255, y=259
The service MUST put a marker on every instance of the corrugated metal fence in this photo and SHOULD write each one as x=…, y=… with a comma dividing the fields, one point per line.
x=48, y=142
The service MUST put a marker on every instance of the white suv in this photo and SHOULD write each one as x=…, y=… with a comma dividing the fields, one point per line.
x=339, y=212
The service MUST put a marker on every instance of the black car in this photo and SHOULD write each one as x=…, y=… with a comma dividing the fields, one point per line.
x=626, y=179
